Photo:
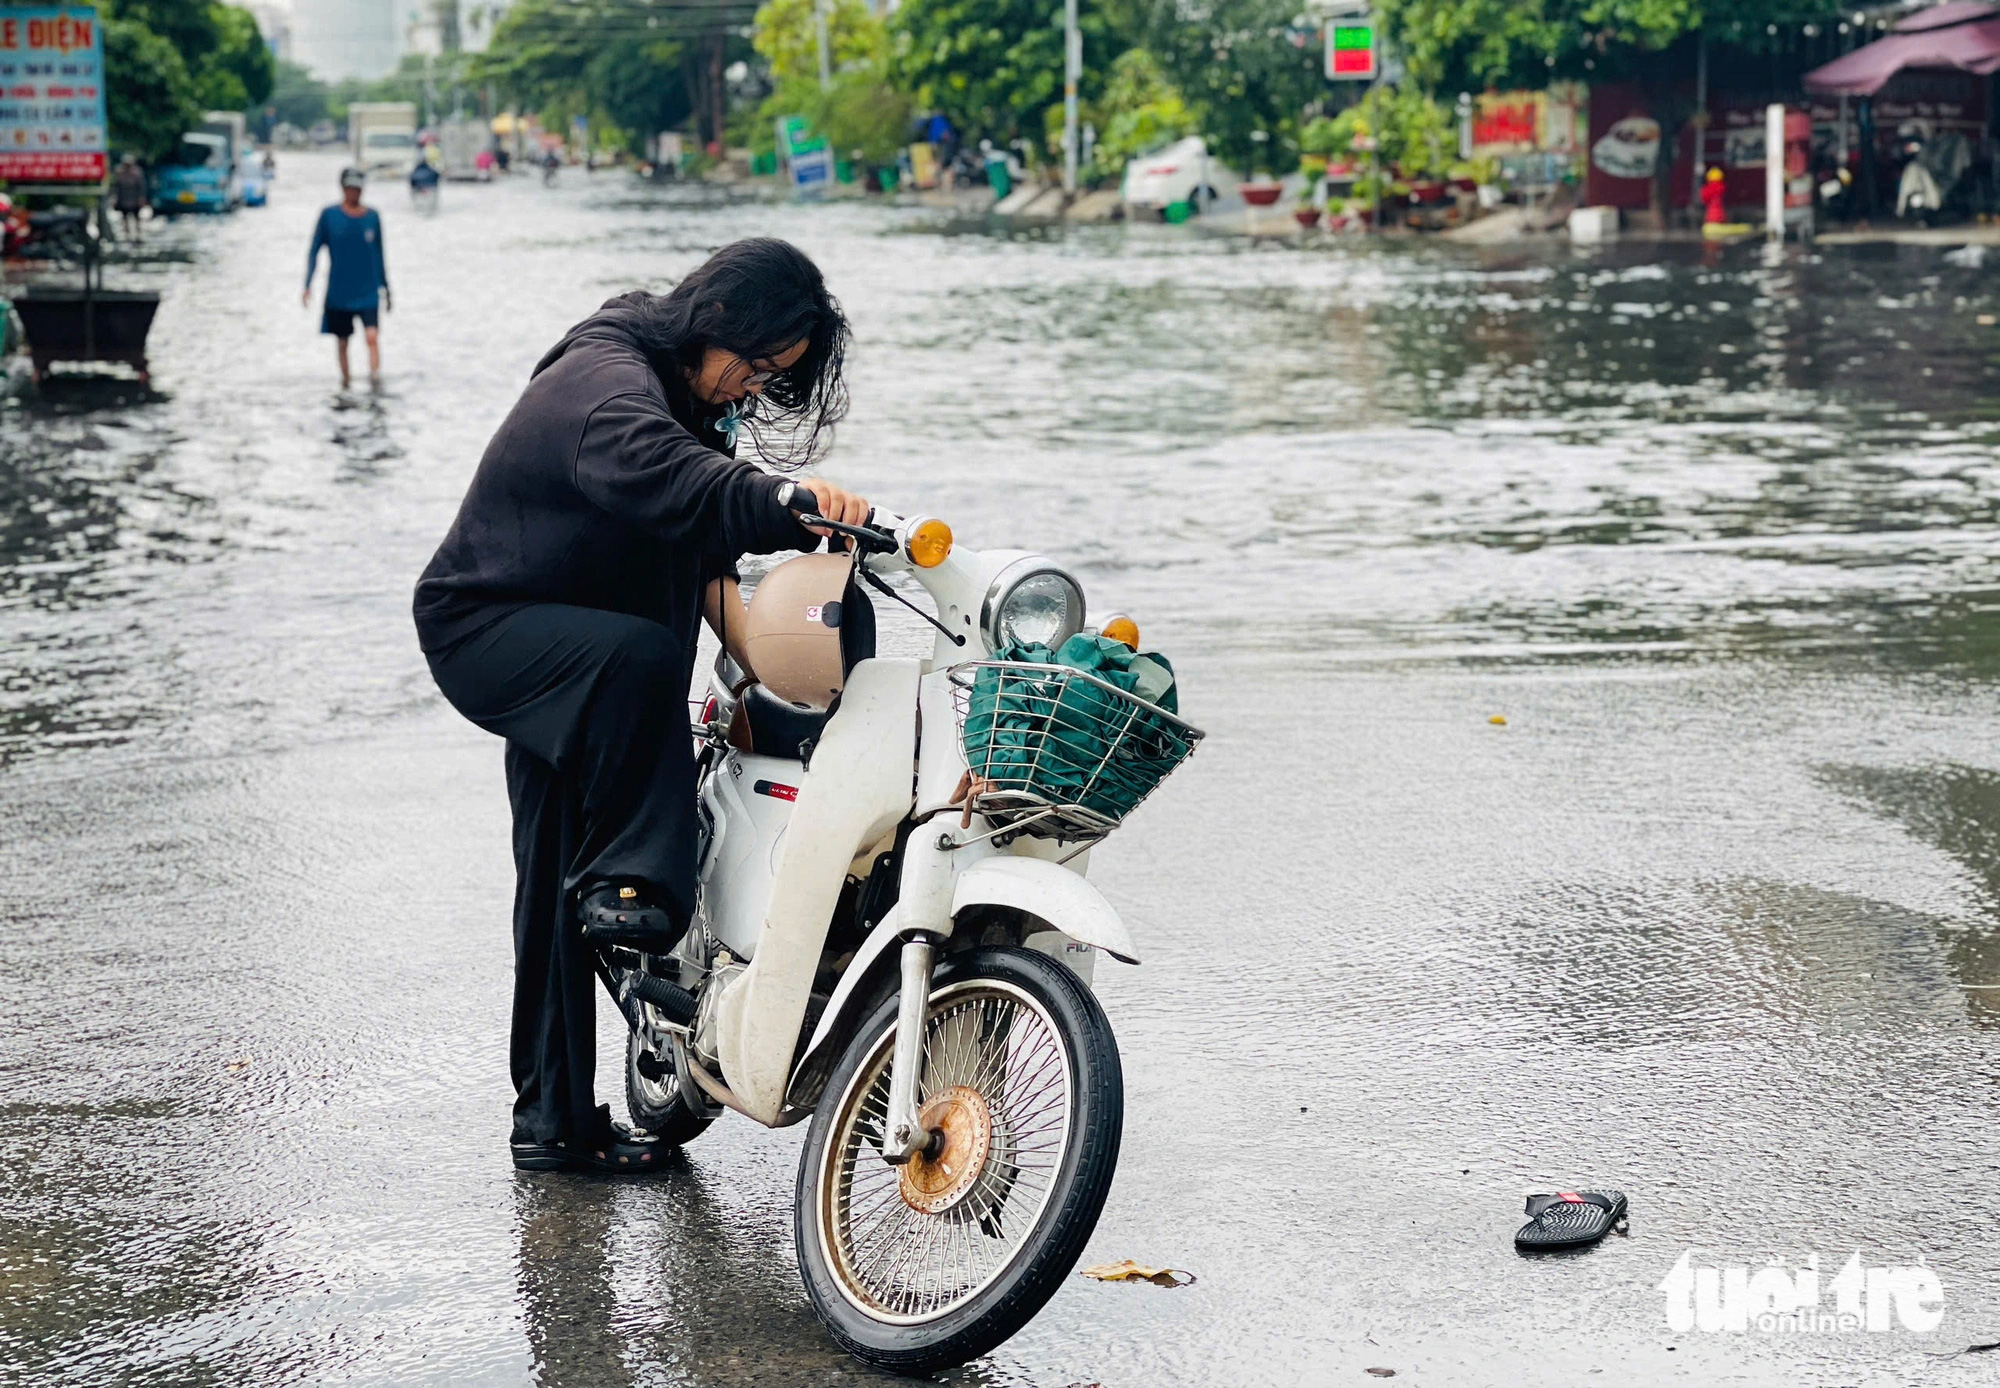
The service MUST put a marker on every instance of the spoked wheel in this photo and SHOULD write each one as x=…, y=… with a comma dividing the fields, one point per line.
x=661, y=1100
x=934, y=1262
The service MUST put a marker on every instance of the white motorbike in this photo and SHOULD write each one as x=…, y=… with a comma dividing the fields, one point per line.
x=895, y=939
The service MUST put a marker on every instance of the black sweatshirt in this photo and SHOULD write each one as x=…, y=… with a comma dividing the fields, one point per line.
x=606, y=487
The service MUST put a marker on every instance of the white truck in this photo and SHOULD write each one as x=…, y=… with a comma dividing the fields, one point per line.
x=382, y=136
x=460, y=141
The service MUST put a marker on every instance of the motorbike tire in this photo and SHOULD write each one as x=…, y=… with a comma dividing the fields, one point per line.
x=1055, y=1000
x=657, y=1106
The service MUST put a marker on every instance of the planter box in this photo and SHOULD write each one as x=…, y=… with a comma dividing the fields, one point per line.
x=1590, y=225
x=1262, y=194
x=58, y=330
x=1307, y=216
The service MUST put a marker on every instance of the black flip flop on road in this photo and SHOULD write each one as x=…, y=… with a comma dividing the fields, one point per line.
x=1569, y=1219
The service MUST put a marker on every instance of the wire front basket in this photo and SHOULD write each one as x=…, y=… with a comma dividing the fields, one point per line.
x=1060, y=753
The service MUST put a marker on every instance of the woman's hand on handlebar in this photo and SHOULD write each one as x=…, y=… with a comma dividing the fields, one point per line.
x=835, y=504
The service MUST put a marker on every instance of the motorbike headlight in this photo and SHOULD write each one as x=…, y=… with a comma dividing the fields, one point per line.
x=1031, y=602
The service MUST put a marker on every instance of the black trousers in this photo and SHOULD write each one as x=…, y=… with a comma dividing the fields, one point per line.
x=600, y=770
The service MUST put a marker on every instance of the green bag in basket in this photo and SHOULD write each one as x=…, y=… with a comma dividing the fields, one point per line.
x=1067, y=740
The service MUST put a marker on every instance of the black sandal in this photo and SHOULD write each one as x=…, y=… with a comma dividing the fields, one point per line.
x=1570, y=1219
x=617, y=1151
x=624, y=914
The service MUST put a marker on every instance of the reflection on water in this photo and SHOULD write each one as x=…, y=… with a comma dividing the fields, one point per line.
x=1526, y=455
x=1957, y=810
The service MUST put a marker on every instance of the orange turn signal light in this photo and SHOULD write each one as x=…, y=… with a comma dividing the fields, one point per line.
x=929, y=544
x=1121, y=628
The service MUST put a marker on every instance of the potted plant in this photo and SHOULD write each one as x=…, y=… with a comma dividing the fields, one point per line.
x=1307, y=211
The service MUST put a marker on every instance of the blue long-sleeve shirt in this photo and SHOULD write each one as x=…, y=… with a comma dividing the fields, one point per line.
x=356, y=269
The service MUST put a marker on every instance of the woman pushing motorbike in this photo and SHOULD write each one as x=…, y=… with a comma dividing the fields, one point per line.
x=562, y=611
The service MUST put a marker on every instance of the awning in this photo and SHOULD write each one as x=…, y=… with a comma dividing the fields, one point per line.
x=1962, y=34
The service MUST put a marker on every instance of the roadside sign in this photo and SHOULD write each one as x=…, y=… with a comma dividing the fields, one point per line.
x=52, y=95
x=1350, y=50
x=808, y=162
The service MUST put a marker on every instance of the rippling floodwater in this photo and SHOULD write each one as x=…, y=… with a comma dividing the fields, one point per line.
x=1711, y=919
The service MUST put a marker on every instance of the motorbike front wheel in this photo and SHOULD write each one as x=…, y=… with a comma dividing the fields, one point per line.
x=925, y=1265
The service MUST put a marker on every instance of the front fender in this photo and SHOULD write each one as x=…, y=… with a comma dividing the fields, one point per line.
x=1049, y=892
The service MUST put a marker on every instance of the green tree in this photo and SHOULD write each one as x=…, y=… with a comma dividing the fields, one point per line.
x=994, y=67
x=149, y=97
x=1139, y=112
x=862, y=114
x=1244, y=66
x=189, y=25
x=167, y=61
x=237, y=73
x=298, y=97
x=635, y=64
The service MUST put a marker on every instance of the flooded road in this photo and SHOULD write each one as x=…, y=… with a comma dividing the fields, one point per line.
x=1713, y=918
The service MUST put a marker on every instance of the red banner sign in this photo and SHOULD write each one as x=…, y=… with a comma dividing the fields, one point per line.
x=40, y=167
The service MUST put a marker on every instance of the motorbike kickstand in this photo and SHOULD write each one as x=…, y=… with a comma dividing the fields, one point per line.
x=906, y=1136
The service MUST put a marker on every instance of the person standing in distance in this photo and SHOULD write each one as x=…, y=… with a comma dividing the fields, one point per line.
x=128, y=188
x=357, y=275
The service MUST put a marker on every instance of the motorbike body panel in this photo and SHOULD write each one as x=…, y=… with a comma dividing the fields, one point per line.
x=860, y=786
x=944, y=752
x=749, y=800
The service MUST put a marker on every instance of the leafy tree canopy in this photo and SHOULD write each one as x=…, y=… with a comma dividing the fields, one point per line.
x=167, y=61
x=149, y=97
x=1245, y=66
x=863, y=113
x=239, y=71
x=298, y=97
x=1139, y=112
x=622, y=62
x=994, y=66
x=1470, y=45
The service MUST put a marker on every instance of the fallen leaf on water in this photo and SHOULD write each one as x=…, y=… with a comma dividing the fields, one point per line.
x=1129, y=1271
x=1497, y=721
x=1383, y=1373
x=1986, y=320
x=236, y=1065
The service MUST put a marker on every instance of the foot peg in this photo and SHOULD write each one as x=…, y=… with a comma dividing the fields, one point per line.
x=676, y=1004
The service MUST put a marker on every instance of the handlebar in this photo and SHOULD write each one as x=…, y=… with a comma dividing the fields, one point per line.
x=866, y=536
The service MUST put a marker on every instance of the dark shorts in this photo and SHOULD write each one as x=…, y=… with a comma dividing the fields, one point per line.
x=340, y=321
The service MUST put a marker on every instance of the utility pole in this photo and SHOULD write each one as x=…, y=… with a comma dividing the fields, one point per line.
x=1701, y=115
x=1072, y=71
x=825, y=45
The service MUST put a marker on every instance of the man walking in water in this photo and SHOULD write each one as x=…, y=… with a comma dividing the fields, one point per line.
x=355, y=272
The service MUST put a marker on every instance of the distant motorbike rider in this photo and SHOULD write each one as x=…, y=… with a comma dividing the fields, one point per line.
x=562, y=613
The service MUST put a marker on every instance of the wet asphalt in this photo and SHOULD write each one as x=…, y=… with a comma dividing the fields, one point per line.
x=1712, y=918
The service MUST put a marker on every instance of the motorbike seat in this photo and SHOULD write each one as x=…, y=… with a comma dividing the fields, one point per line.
x=778, y=727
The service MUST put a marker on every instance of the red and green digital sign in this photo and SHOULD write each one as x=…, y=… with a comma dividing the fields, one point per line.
x=1350, y=51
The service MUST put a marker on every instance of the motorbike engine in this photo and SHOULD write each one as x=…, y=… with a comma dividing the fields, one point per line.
x=707, y=1004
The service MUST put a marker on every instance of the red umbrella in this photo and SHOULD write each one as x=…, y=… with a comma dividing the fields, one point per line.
x=1962, y=34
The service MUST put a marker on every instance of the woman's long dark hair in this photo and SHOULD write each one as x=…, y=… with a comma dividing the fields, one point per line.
x=756, y=298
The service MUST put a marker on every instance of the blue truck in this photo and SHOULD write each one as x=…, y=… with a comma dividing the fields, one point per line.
x=204, y=173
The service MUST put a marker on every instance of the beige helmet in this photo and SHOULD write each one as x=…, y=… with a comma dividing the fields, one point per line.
x=808, y=624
